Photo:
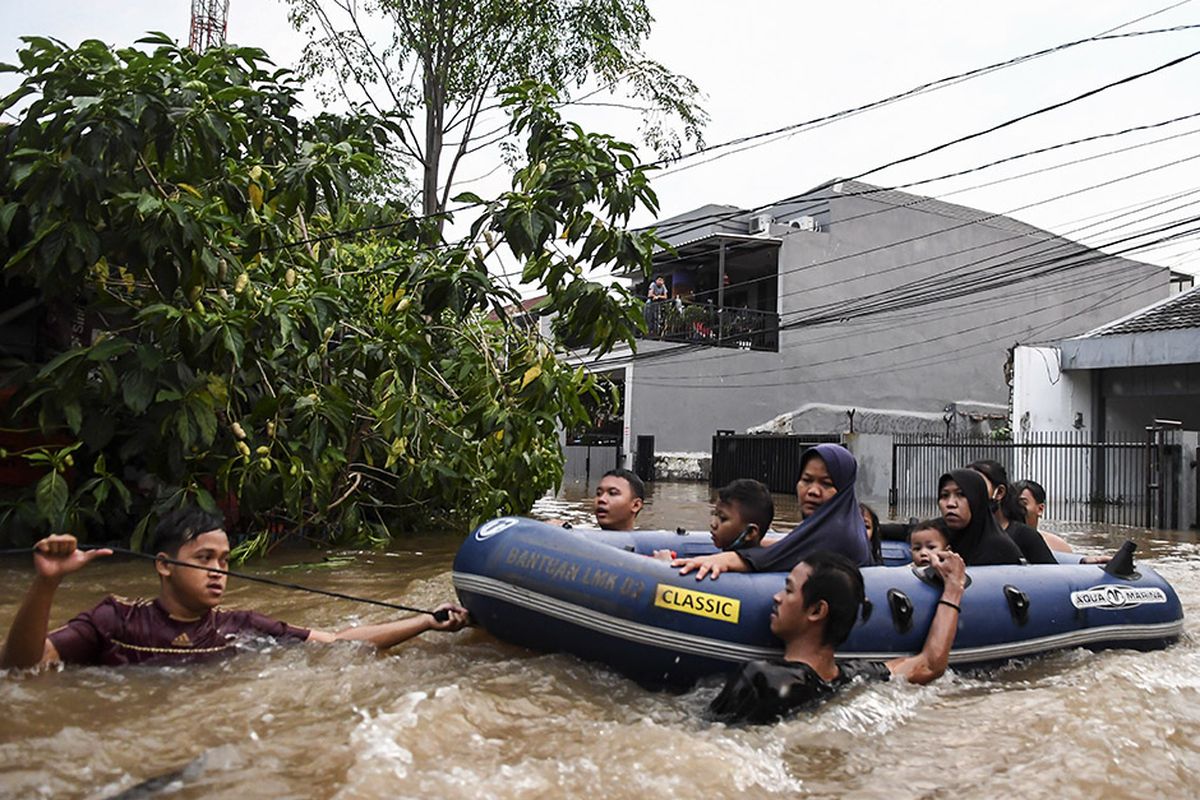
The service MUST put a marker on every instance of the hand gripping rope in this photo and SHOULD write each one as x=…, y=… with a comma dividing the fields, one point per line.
x=440, y=615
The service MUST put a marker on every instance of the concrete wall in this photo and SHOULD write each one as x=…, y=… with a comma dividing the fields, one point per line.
x=873, y=451
x=921, y=359
x=1045, y=398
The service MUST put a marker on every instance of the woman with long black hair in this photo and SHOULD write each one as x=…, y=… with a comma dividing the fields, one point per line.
x=1010, y=514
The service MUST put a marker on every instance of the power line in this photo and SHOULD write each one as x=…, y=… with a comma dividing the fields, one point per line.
x=816, y=122
x=1056, y=263
x=918, y=200
x=937, y=292
x=417, y=218
x=895, y=366
x=692, y=222
x=666, y=352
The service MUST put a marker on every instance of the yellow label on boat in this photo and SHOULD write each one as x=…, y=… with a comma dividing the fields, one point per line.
x=713, y=606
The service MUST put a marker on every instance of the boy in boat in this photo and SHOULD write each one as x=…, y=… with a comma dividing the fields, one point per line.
x=184, y=622
x=742, y=514
x=740, y=518
x=813, y=614
x=926, y=538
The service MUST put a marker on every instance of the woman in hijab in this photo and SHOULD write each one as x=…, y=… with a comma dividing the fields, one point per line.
x=831, y=521
x=963, y=500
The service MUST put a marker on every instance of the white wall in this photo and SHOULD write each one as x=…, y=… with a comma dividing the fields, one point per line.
x=1044, y=397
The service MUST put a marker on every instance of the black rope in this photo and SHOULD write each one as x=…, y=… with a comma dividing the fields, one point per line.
x=440, y=615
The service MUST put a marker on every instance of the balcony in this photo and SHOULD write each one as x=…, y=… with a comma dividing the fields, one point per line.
x=707, y=324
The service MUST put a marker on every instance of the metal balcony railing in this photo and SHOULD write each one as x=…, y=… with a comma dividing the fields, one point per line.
x=707, y=324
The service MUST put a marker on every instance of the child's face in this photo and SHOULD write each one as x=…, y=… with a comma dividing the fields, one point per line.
x=726, y=524
x=925, y=543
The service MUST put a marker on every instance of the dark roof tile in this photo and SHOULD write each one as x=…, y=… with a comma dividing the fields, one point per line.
x=1174, y=313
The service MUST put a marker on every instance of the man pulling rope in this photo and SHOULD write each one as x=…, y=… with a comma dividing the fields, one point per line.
x=184, y=621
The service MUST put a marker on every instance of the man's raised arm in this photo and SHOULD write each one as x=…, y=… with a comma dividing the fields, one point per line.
x=53, y=558
x=930, y=663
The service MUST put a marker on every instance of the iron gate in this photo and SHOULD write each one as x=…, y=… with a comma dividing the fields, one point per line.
x=1128, y=479
x=774, y=460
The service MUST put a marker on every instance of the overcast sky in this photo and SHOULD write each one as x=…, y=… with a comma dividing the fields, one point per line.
x=763, y=65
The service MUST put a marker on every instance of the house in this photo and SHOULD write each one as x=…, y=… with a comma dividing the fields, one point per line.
x=1120, y=376
x=1135, y=379
x=853, y=298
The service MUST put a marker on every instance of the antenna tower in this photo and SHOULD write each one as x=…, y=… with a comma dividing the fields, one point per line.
x=209, y=18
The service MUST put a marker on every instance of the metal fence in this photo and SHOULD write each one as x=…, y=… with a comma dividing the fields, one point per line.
x=587, y=457
x=774, y=460
x=1127, y=479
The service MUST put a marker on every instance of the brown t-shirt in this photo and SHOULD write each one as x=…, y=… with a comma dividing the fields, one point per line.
x=120, y=631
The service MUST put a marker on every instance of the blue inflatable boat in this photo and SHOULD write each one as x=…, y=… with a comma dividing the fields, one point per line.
x=597, y=595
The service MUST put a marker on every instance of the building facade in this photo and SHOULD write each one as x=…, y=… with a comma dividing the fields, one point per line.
x=900, y=308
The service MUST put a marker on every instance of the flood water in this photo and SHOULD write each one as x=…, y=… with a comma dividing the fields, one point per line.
x=463, y=716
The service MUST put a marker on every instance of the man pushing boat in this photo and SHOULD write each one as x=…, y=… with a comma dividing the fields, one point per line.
x=184, y=622
x=813, y=614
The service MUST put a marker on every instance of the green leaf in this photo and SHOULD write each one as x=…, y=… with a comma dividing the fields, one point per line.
x=74, y=415
x=137, y=389
x=138, y=540
x=108, y=348
x=51, y=494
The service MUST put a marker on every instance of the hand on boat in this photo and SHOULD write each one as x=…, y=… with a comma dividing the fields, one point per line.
x=710, y=566
x=664, y=555
x=951, y=567
x=459, y=618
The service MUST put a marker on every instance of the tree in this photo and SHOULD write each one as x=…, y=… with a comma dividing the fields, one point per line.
x=437, y=66
x=264, y=339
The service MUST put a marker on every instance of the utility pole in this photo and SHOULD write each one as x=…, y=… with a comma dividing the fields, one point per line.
x=209, y=19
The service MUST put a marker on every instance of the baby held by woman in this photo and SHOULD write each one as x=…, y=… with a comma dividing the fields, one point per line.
x=926, y=538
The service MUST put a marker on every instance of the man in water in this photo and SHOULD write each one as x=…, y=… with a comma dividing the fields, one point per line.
x=183, y=623
x=619, y=498
x=813, y=614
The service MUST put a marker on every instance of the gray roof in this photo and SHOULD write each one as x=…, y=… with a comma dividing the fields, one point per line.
x=931, y=205
x=1177, y=312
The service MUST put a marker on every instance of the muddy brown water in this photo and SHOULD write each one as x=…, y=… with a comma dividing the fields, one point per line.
x=463, y=716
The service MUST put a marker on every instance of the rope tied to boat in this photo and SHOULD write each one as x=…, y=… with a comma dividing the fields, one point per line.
x=440, y=615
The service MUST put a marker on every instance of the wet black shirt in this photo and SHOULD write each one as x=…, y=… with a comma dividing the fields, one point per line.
x=1033, y=547
x=766, y=691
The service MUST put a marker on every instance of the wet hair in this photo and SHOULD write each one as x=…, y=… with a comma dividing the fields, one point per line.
x=182, y=526
x=753, y=500
x=836, y=580
x=997, y=475
x=1035, y=489
x=876, y=534
x=630, y=477
x=935, y=524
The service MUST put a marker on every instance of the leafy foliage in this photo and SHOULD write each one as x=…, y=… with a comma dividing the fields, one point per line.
x=241, y=350
x=438, y=66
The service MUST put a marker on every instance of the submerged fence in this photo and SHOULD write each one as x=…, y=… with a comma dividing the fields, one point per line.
x=1130, y=478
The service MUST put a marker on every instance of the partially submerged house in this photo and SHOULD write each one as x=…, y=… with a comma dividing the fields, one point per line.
x=898, y=307
x=1134, y=380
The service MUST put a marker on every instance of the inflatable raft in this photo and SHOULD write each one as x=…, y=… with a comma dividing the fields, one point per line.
x=597, y=595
